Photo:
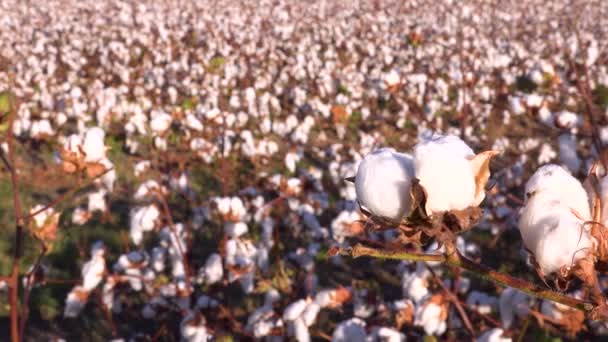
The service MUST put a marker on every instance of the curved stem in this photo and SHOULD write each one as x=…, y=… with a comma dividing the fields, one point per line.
x=478, y=270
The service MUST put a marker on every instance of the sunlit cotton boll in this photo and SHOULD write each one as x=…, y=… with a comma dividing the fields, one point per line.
x=552, y=220
x=383, y=181
x=352, y=330
x=93, y=145
x=493, y=335
x=442, y=165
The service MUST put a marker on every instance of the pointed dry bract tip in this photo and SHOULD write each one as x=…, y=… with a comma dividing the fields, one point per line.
x=481, y=169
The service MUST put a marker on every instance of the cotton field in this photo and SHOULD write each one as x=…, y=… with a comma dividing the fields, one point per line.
x=316, y=170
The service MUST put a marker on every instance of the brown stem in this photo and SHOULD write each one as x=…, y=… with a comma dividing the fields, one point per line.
x=478, y=270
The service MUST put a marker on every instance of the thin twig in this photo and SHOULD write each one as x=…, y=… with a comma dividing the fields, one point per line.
x=476, y=269
x=454, y=300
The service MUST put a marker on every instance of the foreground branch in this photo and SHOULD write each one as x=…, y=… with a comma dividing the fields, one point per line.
x=480, y=271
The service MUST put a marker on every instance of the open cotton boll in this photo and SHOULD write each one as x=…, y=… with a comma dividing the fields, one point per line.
x=434, y=159
x=553, y=233
x=558, y=183
x=564, y=243
x=493, y=335
x=432, y=316
x=512, y=302
x=75, y=301
x=352, y=330
x=382, y=183
x=93, y=270
x=93, y=145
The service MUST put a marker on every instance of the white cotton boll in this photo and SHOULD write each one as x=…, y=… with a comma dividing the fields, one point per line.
x=193, y=328
x=382, y=183
x=93, y=145
x=555, y=182
x=193, y=123
x=352, y=330
x=567, y=152
x=235, y=229
x=300, y=331
x=294, y=310
x=564, y=241
x=566, y=119
x=533, y=100
x=75, y=302
x=213, y=269
x=516, y=106
x=147, y=189
x=93, y=270
x=415, y=285
x=97, y=201
x=109, y=178
x=434, y=160
x=160, y=143
x=386, y=334
x=143, y=219
x=291, y=159
x=493, y=335
x=512, y=302
x=160, y=121
x=309, y=316
x=141, y=167
x=430, y=317
x=158, y=259
x=80, y=216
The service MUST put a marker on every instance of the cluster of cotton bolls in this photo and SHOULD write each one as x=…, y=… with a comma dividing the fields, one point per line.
x=213, y=140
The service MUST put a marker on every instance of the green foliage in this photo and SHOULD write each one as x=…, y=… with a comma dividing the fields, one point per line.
x=525, y=84
x=600, y=95
x=6, y=102
x=216, y=64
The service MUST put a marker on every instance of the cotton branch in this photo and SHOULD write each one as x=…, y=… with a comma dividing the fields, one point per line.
x=455, y=259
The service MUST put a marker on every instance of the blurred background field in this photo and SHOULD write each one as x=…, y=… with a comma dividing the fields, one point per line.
x=271, y=105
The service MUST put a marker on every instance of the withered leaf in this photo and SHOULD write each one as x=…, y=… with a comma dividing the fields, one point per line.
x=339, y=113
x=95, y=170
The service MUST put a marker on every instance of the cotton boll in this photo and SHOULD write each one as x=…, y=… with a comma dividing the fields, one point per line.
x=555, y=182
x=415, y=285
x=93, y=270
x=295, y=310
x=309, y=315
x=386, y=334
x=493, y=335
x=434, y=159
x=75, y=302
x=300, y=330
x=213, y=269
x=512, y=302
x=143, y=219
x=564, y=242
x=235, y=229
x=431, y=317
x=93, y=145
x=352, y=330
x=193, y=328
x=382, y=183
